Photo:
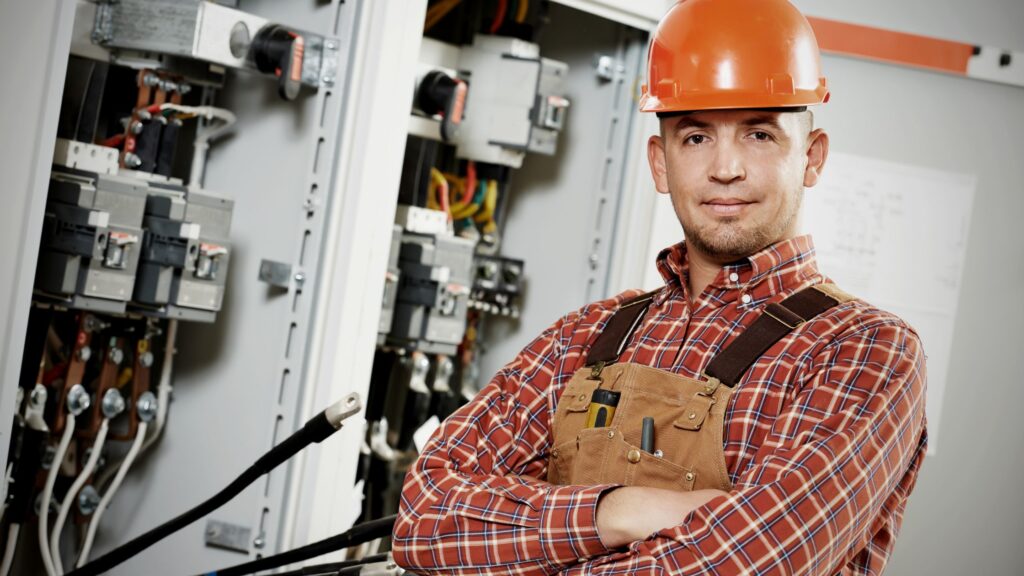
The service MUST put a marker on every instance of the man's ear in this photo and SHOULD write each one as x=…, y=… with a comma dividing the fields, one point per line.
x=817, y=154
x=656, y=158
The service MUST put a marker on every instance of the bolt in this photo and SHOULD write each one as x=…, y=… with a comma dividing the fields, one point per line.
x=132, y=160
x=150, y=80
x=146, y=359
x=259, y=542
x=116, y=355
x=93, y=324
x=38, y=396
x=184, y=88
x=113, y=403
x=88, y=500
x=328, y=80
x=331, y=45
x=78, y=399
x=300, y=278
x=146, y=406
x=136, y=127
x=48, y=456
x=143, y=114
x=84, y=353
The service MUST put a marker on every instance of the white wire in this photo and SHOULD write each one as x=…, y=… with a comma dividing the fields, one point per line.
x=90, y=536
x=12, y=543
x=163, y=391
x=71, y=496
x=203, y=137
x=164, y=388
x=51, y=478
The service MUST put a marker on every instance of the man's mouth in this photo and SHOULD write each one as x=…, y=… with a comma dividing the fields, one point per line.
x=726, y=206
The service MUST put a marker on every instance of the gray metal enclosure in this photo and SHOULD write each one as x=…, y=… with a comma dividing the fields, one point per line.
x=562, y=209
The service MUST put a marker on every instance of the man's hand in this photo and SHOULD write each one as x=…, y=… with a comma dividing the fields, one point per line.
x=633, y=513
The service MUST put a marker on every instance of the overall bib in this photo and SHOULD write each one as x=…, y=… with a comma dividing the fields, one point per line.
x=687, y=452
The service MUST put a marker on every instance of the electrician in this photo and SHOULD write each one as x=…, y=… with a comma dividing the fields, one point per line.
x=753, y=418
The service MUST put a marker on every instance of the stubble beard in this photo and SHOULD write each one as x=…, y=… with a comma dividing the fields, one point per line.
x=724, y=242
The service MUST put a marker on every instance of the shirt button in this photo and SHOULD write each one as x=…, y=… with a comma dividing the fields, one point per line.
x=734, y=277
x=746, y=298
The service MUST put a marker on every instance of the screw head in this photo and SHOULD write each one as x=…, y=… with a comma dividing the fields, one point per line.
x=146, y=359
x=84, y=353
x=259, y=542
x=88, y=500
x=113, y=403
x=146, y=406
x=38, y=396
x=150, y=80
x=116, y=355
x=132, y=160
x=78, y=399
x=328, y=80
x=136, y=127
x=331, y=45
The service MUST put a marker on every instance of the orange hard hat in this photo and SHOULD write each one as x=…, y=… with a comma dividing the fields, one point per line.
x=722, y=54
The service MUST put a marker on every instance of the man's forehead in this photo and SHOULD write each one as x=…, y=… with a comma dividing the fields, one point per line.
x=745, y=116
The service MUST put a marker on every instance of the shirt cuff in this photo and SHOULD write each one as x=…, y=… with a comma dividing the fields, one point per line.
x=568, y=524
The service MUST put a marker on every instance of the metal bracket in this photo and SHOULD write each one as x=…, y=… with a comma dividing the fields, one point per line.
x=227, y=536
x=277, y=274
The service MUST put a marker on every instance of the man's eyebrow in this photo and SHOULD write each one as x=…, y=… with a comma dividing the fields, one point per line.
x=690, y=122
x=770, y=121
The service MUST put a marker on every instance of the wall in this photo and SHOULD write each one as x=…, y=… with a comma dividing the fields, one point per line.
x=965, y=516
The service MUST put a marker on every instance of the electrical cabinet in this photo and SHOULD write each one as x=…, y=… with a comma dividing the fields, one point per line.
x=361, y=226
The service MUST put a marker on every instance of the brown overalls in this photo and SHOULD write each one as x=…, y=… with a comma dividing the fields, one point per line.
x=687, y=453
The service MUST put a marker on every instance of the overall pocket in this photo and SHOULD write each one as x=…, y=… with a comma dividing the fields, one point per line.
x=604, y=457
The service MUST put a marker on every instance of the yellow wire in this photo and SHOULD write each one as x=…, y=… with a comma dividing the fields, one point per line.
x=439, y=11
x=486, y=217
x=524, y=7
x=436, y=181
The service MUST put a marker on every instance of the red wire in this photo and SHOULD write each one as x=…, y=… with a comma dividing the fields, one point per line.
x=499, y=16
x=467, y=195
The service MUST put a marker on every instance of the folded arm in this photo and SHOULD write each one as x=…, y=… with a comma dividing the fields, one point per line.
x=833, y=472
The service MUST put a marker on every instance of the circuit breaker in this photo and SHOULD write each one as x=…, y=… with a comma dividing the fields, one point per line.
x=433, y=292
x=91, y=236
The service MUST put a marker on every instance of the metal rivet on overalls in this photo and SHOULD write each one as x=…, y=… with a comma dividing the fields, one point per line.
x=554, y=453
x=582, y=397
x=692, y=415
x=658, y=453
x=611, y=434
x=633, y=456
x=689, y=476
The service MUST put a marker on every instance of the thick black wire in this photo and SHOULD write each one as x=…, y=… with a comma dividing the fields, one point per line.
x=353, y=537
x=333, y=568
x=315, y=430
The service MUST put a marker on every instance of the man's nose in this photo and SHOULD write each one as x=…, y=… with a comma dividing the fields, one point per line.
x=728, y=165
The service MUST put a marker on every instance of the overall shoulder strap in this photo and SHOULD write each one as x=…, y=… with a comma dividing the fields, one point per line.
x=777, y=320
x=616, y=334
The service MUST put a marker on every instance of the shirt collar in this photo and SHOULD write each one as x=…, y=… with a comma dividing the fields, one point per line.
x=767, y=272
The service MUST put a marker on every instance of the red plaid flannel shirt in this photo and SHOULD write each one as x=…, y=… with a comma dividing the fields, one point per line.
x=824, y=438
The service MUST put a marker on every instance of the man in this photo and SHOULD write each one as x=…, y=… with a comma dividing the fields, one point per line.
x=748, y=417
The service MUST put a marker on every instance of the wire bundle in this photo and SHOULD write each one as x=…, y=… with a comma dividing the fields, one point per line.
x=466, y=200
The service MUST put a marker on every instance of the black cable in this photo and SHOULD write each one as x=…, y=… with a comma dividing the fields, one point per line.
x=353, y=537
x=333, y=568
x=316, y=429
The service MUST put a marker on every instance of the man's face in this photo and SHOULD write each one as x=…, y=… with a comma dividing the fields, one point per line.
x=736, y=177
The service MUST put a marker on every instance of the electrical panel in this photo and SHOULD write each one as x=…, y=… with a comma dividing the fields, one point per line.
x=205, y=207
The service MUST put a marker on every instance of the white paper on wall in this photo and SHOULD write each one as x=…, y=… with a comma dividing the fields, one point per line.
x=895, y=235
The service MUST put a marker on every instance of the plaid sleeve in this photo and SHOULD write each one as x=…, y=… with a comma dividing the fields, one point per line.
x=471, y=503
x=826, y=490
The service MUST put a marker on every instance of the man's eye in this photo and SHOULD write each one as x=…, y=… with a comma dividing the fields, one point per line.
x=761, y=136
x=695, y=139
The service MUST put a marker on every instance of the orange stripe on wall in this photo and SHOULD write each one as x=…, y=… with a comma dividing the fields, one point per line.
x=889, y=46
